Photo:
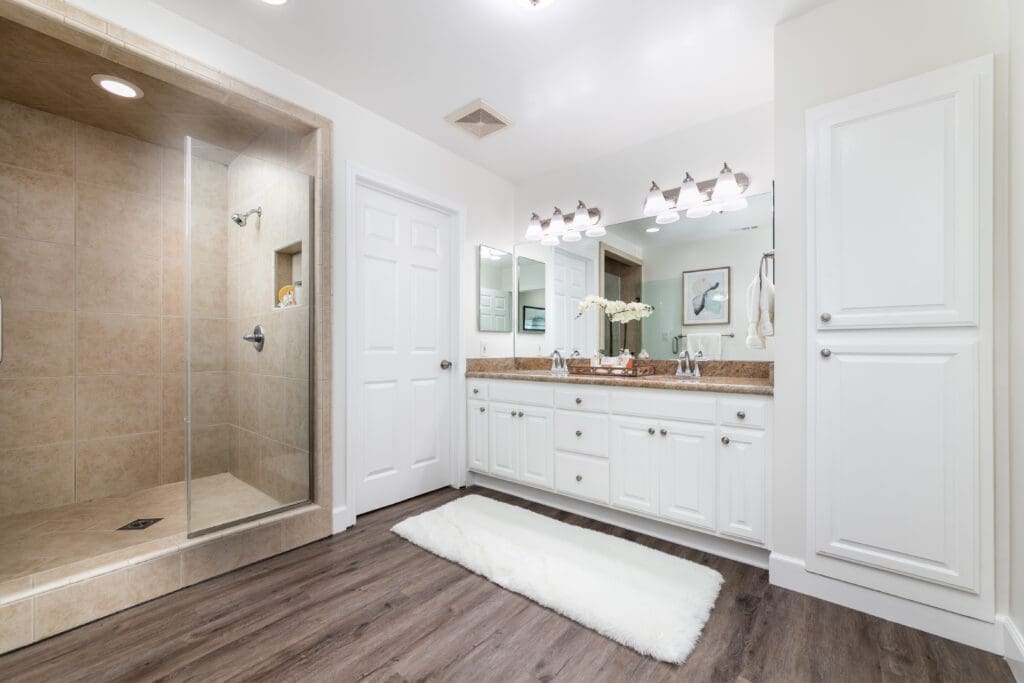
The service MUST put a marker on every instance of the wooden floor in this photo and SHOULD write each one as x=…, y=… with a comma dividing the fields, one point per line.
x=367, y=604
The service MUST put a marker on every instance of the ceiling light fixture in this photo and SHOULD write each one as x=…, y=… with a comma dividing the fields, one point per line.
x=118, y=86
x=276, y=3
x=654, y=228
x=535, y=4
x=566, y=228
x=722, y=194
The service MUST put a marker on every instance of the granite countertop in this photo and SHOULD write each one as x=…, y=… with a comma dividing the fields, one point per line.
x=763, y=386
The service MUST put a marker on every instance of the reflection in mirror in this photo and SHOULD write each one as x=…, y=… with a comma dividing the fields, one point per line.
x=694, y=272
x=495, y=293
x=532, y=298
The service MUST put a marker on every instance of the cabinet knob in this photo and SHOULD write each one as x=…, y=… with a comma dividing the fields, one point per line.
x=741, y=415
x=579, y=433
x=825, y=317
x=520, y=413
x=725, y=441
x=579, y=400
x=579, y=477
x=482, y=409
x=664, y=432
x=476, y=391
x=825, y=353
x=513, y=413
x=650, y=430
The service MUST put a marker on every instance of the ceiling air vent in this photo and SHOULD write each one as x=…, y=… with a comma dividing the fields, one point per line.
x=478, y=118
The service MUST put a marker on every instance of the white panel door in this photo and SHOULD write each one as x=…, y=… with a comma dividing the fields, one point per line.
x=402, y=326
x=536, y=446
x=477, y=440
x=741, y=484
x=569, y=289
x=687, y=473
x=634, y=464
x=503, y=430
x=896, y=459
x=900, y=201
x=495, y=310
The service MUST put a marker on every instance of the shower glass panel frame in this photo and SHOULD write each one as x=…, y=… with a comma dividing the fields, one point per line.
x=247, y=498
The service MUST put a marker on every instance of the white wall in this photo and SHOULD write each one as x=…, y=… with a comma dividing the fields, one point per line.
x=842, y=48
x=361, y=137
x=618, y=182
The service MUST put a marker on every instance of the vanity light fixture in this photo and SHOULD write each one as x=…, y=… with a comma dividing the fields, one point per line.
x=655, y=202
x=275, y=2
x=722, y=194
x=118, y=86
x=726, y=188
x=666, y=217
x=689, y=194
x=566, y=228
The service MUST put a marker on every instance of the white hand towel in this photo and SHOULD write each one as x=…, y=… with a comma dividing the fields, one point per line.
x=766, y=317
x=708, y=345
x=754, y=338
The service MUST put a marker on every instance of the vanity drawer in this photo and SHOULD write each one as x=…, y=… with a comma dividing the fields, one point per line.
x=673, y=405
x=581, y=398
x=738, y=412
x=581, y=432
x=476, y=388
x=533, y=393
x=582, y=476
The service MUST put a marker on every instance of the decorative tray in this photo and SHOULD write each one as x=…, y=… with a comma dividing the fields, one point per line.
x=639, y=369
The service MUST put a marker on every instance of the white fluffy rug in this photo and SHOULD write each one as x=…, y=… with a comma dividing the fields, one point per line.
x=655, y=603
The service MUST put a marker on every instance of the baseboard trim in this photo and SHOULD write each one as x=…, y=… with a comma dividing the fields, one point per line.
x=790, y=573
x=1013, y=644
x=739, y=552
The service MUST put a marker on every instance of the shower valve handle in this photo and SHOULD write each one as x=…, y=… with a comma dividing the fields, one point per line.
x=256, y=338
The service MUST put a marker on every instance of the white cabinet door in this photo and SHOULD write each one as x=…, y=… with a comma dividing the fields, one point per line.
x=634, y=464
x=504, y=439
x=741, y=484
x=687, y=473
x=900, y=201
x=896, y=460
x=536, y=446
x=477, y=442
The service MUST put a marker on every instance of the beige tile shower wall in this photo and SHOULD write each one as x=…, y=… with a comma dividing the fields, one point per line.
x=273, y=385
x=92, y=388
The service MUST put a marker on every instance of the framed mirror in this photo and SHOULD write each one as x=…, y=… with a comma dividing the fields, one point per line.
x=495, y=310
x=694, y=273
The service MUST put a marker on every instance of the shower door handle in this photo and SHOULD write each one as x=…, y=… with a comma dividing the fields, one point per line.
x=256, y=338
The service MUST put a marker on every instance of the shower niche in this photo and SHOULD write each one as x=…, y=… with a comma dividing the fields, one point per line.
x=288, y=274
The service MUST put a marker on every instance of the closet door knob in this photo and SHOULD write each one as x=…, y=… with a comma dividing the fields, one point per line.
x=825, y=353
x=741, y=415
x=579, y=400
x=482, y=409
x=725, y=441
x=825, y=317
x=664, y=432
x=520, y=413
x=650, y=430
x=579, y=433
x=476, y=391
x=579, y=477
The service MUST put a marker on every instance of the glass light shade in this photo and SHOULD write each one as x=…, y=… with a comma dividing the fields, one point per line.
x=581, y=218
x=596, y=231
x=557, y=225
x=666, y=217
x=572, y=235
x=726, y=187
x=689, y=194
x=535, y=231
x=655, y=202
x=699, y=211
x=549, y=240
x=737, y=204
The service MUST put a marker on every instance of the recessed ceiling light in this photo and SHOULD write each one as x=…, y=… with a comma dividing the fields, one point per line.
x=531, y=4
x=276, y=2
x=653, y=229
x=118, y=86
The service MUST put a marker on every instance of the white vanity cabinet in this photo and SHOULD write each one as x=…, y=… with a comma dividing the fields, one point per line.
x=694, y=459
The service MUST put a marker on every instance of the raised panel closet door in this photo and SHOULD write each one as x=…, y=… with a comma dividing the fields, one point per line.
x=896, y=464
x=477, y=441
x=900, y=201
x=687, y=473
x=741, y=484
x=537, y=446
x=634, y=464
x=504, y=440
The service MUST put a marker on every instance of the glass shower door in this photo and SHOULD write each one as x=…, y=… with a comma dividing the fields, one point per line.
x=248, y=333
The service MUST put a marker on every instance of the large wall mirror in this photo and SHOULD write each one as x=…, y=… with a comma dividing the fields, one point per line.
x=694, y=272
x=496, y=312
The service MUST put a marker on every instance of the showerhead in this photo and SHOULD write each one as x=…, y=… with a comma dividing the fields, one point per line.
x=241, y=218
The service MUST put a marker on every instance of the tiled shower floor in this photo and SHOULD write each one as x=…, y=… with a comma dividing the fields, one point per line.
x=45, y=545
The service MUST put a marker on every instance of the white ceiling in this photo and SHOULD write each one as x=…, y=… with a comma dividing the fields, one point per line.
x=578, y=79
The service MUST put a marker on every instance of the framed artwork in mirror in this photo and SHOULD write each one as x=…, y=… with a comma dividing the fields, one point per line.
x=706, y=296
x=534, y=319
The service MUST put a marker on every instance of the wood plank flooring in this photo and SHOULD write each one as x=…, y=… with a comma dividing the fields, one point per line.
x=367, y=604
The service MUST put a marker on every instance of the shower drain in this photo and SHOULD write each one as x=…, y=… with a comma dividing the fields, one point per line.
x=137, y=524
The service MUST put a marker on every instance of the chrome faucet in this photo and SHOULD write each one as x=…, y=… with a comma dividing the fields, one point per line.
x=557, y=362
x=683, y=355
x=696, y=368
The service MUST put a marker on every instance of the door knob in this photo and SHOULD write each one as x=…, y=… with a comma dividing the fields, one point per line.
x=664, y=432
x=725, y=441
x=520, y=413
x=741, y=415
x=476, y=391
x=513, y=413
x=482, y=409
x=650, y=430
x=256, y=338
x=579, y=477
x=825, y=353
x=825, y=317
x=579, y=433
x=579, y=400
x=445, y=364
